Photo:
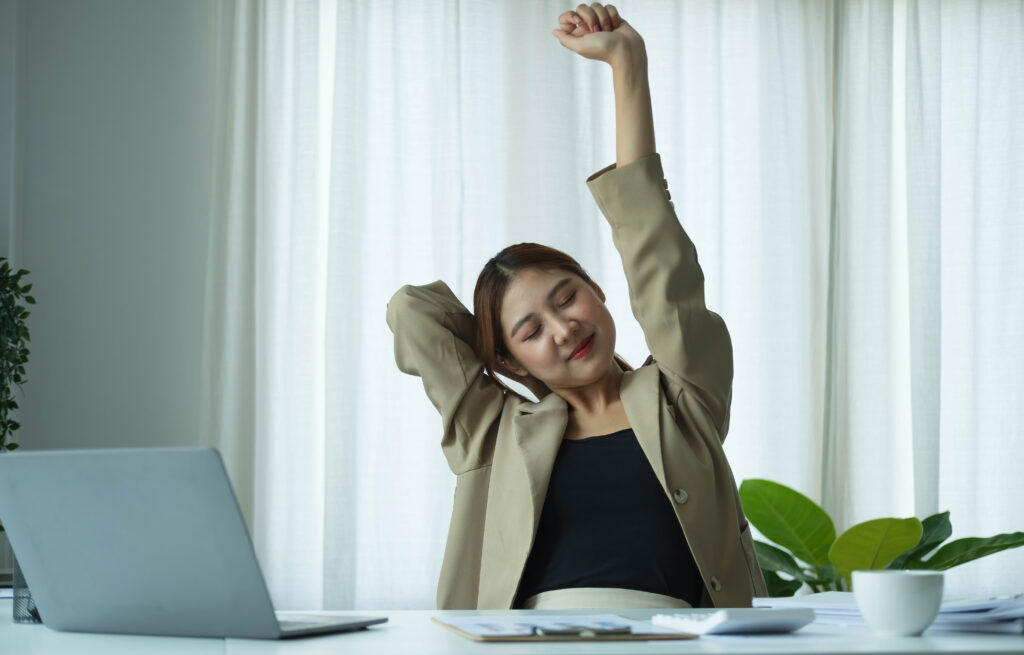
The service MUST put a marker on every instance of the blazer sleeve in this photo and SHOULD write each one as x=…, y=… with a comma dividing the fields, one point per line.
x=434, y=339
x=689, y=343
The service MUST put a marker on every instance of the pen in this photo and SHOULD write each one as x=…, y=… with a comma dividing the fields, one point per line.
x=578, y=631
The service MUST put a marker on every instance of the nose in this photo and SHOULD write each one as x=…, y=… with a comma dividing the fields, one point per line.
x=563, y=329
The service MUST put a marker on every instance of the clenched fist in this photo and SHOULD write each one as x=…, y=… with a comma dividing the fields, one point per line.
x=597, y=31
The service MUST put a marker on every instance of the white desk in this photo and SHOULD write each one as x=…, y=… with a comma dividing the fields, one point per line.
x=411, y=632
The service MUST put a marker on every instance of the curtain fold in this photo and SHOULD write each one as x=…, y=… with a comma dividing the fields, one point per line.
x=867, y=440
x=923, y=164
x=846, y=170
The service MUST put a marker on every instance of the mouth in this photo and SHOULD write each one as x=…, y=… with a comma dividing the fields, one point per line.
x=583, y=349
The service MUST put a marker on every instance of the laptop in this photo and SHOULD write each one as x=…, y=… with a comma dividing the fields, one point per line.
x=145, y=541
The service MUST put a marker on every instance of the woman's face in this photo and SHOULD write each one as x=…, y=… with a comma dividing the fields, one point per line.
x=557, y=328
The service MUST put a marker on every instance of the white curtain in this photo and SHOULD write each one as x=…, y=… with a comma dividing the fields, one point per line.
x=849, y=173
x=926, y=303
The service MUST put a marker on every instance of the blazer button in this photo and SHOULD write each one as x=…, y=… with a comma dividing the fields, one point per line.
x=715, y=584
x=680, y=495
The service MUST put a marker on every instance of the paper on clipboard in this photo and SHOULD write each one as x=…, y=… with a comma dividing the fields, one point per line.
x=580, y=627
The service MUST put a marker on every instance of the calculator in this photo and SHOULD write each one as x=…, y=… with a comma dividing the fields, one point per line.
x=736, y=621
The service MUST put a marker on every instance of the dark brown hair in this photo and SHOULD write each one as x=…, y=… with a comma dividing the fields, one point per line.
x=490, y=292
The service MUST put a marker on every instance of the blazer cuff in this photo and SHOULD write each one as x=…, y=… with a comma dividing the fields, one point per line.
x=609, y=167
x=619, y=191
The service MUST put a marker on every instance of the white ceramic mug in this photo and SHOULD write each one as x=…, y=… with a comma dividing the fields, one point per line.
x=898, y=603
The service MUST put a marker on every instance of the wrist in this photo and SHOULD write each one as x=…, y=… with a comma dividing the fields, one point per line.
x=629, y=60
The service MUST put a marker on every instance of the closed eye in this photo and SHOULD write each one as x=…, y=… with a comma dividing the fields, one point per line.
x=531, y=335
x=568, y=300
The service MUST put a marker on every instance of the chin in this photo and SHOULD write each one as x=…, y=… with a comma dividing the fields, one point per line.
x=597, y=368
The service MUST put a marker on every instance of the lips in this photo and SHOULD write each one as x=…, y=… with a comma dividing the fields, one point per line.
x=582, y=349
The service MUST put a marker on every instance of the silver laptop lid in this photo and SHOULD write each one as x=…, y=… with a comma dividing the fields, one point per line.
x=134, y=541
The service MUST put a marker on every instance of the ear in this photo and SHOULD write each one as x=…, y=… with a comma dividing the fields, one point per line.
x=513, y=365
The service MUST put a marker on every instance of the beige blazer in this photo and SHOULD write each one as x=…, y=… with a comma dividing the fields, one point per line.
x=502, y=448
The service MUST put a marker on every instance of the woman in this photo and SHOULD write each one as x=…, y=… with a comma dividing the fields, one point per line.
x=613, y=490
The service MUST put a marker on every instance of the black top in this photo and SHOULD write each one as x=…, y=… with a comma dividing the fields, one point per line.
x=607, y=522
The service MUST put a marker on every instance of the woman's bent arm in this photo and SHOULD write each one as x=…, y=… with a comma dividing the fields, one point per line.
x=434, y=339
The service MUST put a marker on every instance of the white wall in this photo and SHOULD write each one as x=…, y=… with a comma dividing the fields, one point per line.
x=116, y=119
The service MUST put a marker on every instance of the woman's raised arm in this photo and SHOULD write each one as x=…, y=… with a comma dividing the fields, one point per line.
x=689, y=342
x=598, y=32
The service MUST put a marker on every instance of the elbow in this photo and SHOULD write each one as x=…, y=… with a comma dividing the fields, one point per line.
x=399, y=305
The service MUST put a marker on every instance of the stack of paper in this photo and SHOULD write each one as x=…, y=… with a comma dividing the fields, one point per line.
x=988, y=615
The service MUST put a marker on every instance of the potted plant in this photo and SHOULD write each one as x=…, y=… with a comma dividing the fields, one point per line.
x=809, y=552
x=14, y=339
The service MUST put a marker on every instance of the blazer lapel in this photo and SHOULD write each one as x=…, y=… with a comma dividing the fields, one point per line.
x=520, y=464
x=641, y=398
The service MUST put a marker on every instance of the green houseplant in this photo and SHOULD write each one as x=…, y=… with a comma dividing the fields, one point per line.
x=14, y=339
x=807, y=550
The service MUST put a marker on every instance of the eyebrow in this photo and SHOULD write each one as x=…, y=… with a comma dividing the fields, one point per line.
x=554, y=291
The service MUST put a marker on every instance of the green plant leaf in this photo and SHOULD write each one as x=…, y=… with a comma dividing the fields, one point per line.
x=789, y=518
x=772, y=558
x=779, y=587
x=776, y=559
x=936, y=529
x=11, y=446
x=829, y=578
x=962, y=551
x=873, y=544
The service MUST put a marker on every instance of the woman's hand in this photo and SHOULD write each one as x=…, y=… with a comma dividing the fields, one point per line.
x=597, y=31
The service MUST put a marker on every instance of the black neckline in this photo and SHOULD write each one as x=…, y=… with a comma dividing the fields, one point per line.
x=598, y=436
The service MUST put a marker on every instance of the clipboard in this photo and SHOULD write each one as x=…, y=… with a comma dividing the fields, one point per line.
x=580, y=627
